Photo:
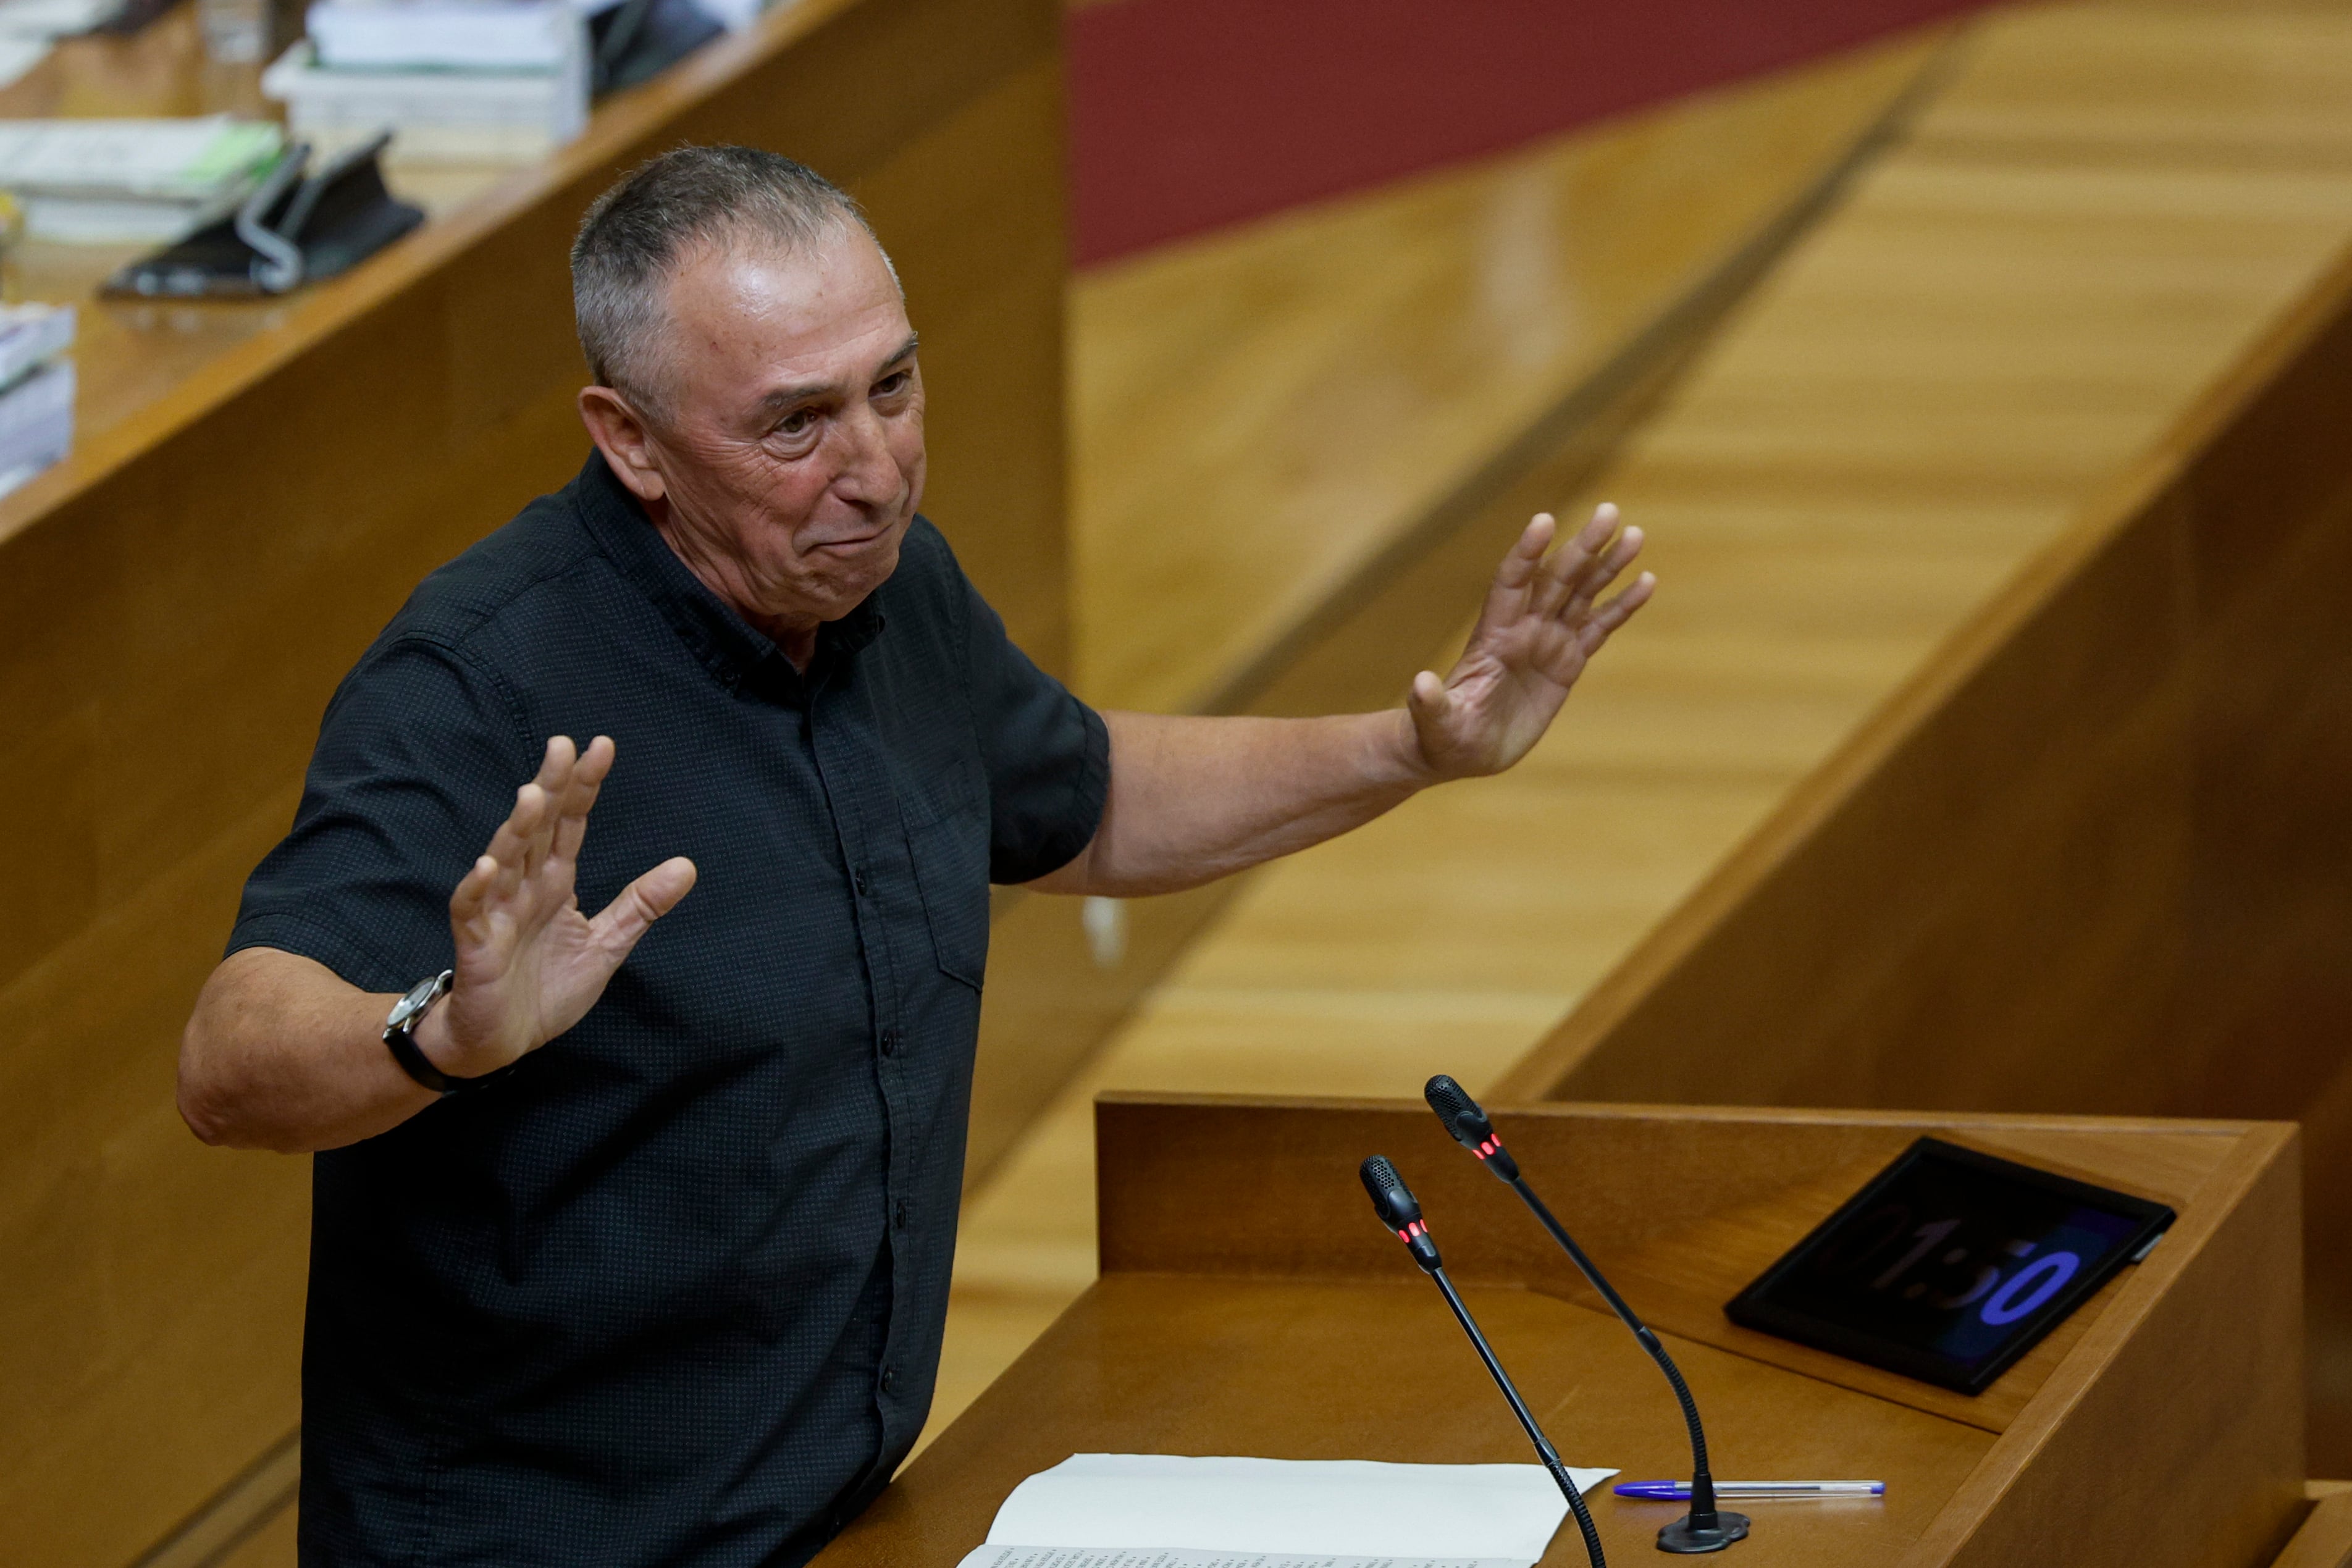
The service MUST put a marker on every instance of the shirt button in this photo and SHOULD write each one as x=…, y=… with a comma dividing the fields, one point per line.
x=889, y=1380
x=898, y=1214
x=857, y=879
x=890, y=1041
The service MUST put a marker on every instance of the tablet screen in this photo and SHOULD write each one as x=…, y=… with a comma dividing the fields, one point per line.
x=1949, y=1265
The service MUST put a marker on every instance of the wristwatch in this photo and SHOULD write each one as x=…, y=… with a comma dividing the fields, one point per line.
x=400, y=1035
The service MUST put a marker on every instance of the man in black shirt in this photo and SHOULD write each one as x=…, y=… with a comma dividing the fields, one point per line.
x=631, y=1243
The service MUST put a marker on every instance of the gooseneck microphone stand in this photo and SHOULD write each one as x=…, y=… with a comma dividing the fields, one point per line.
x=1401, y=1212
x=1705, y=1528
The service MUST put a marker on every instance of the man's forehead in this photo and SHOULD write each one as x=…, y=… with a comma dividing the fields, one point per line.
x=831, y=297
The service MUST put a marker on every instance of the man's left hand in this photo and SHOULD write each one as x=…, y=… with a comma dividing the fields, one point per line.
x=1543, y=620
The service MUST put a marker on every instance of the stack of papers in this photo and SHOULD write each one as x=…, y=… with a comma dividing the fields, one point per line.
x=445, y=35
x=133, y=181
x=55, y=18
x=1161, y=1510
x=472, y=81
x=37, y=390
x=27, y=28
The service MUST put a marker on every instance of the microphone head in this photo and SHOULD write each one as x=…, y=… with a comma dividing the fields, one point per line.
x=1462, y=1115
x=1392, y=1199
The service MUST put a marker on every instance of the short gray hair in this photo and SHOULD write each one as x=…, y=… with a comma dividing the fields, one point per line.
x=635, y=234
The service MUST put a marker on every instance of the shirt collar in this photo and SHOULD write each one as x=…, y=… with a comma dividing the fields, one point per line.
x=731, y=646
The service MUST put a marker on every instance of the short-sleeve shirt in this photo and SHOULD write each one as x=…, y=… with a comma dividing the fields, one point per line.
x=672, y=1291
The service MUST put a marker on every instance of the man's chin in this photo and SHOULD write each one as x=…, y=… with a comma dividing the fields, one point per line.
x=856, y=570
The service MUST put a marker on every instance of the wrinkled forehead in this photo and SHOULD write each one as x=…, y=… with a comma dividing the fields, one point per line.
x=747, y=300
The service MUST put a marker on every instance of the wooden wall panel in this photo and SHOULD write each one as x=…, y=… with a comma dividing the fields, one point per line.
x=2094, y=857
x=180, y=597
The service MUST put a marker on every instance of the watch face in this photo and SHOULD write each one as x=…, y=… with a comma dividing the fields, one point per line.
x=420, y=997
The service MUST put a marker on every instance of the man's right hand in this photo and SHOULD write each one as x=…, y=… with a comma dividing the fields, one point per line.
x=529, y=964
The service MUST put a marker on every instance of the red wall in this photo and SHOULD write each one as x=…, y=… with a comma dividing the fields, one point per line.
x=1190, y=114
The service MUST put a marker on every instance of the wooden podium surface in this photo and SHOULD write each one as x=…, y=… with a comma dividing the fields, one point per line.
x=1250, y=1304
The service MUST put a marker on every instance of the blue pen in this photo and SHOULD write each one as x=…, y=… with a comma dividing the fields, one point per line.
x=1679, y=1491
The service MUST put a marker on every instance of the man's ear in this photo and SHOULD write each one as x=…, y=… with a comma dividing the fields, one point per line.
x=620, y=433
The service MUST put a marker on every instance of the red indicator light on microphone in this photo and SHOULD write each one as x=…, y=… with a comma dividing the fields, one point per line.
x=1489, y=1148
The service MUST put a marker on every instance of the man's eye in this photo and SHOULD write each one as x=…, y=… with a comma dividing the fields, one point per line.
x=893, y=384
x=796, y=422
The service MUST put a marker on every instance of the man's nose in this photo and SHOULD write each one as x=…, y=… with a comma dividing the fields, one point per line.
x=867, y=471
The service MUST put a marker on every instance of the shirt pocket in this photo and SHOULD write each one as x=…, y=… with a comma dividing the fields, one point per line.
x=951, y=857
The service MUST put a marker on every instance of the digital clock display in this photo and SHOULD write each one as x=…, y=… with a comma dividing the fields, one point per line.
x=1949, y=1265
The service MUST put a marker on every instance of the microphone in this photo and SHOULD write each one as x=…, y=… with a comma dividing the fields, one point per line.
x=1705, y=1528
x=1394, y=1203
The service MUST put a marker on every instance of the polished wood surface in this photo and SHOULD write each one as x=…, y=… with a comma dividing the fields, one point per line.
x=173, y=1320
x=2120, y=785
x=1255, y=413
x=1252, y=535
x=1249, y=1303
x=1627, y=246
x=2101, y=210
x=2071, y=710
x=2325, y=1539
x=161, y=69
x=181, y=595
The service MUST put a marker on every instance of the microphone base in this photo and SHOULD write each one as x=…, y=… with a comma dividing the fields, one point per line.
x=1684, y=1540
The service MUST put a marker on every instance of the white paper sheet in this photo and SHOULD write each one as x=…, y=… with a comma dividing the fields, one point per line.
x=1144, y=1557
x=1322, y=1509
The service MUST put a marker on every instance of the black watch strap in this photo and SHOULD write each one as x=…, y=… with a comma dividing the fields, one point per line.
x=419, y=1066
x=400, y=1037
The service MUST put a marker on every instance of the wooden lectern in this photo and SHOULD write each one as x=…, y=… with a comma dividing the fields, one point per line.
x=1250, y=1304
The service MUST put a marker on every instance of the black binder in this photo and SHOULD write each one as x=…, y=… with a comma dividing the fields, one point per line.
x=290, y=232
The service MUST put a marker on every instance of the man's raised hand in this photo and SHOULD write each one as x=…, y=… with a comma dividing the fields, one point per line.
x=1543, y=619
x=529, y=964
